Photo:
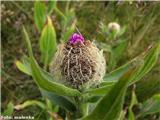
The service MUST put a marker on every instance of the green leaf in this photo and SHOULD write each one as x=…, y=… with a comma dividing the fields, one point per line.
x=59, y=100
x=30, y=103
x=133, y=102
x=106, y=47
x=49, y=105
x=43, y=82
x=68, y=33
x=48, y=43
x=119, y=50
x=39, y=15
x=122, y=30
x=116, y=54
x=149, y=60
x=122, y=115
x=101, y=90
x=93, y=99
x=148, y=87
x=51, y=6
x=110, y=106
x=9, y=110
x=151, y=106
x=42, y=79
x=119, y=72
x=60, y=13
x=68, y=23
x=24, y=66
x=144, y=63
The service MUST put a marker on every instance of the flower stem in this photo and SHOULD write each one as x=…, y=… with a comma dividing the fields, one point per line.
x=84, y=109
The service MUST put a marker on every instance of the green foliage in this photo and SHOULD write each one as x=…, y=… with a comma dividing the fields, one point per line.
x=149, y=60
x=117, y=73
x=9, y=110
x=122, y=115
x=51, y=6
x=144, y=62
x=133, y=102
x=30, y=103
x=39, y=15
x=106, y=86
x=54, y=98
x=59, y=100
x=24, y=66
x=108, y=98
x=48, y=43
x=148, y=87
x=109, y=107
x=151, y=106
x=42, y=79
x=113, y=100
x=44, y=105
x=68, y=33
x=68, y=22
x=116, y=43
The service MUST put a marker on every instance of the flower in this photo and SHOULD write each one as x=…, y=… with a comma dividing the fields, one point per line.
x=75, y=38
x=78, y=63
x=114, y=27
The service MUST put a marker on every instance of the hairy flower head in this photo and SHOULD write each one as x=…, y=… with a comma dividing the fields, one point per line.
x=78, y=63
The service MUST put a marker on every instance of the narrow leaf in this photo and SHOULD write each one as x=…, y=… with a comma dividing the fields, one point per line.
x=42, y=79
x=56, y=99
x=51, y=6
x=59, y=100
x=133, y=102
x=24, y=66
x=148, y=87
x=48, y=43
x=101, y=90
x=119, y=50
x=151, y=106
x=144, y=63
x=68, y=33
x=44, y=83
x=149, y=60
x=30, y=103
x=110, y=106
x=122, y=115
x=119, y=72
x=9, y=110
x=39, y=14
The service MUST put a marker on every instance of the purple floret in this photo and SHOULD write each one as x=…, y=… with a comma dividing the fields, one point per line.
x=76, y=38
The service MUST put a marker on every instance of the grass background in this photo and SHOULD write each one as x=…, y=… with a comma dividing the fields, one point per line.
x=142, y=20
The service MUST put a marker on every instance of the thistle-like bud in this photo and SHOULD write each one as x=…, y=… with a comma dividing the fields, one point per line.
x=114, y=27
x=78, y=63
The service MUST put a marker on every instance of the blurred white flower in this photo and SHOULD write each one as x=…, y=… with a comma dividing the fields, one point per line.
x=114, y=27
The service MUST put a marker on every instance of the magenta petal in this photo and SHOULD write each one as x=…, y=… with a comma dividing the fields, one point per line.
x=75, y=38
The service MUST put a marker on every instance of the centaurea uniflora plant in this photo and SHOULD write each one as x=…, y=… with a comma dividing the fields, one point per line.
x=74, y=77
x=78, y=63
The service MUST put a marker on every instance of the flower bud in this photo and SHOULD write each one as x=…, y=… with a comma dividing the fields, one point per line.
x=114, y=27
x=78, y=63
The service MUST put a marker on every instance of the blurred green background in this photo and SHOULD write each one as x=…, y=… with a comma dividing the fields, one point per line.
x=141, y=21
